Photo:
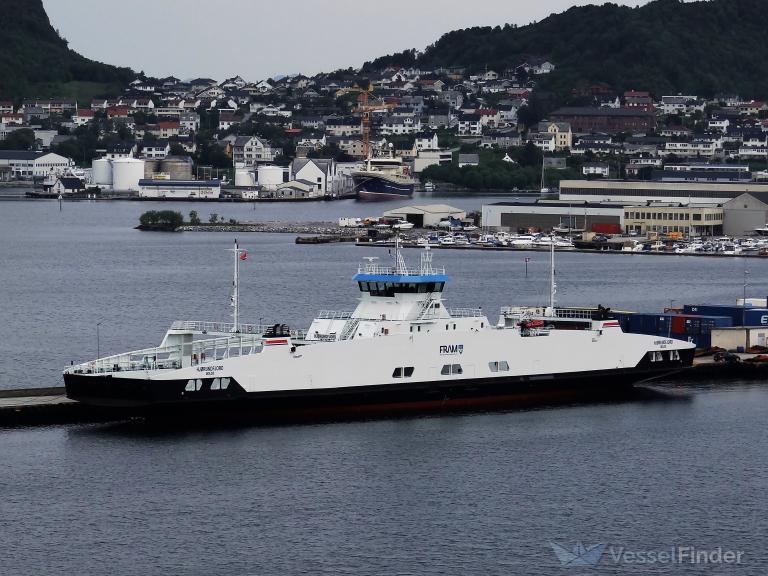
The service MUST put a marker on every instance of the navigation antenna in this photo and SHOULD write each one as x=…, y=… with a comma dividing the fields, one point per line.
x=426, y=261
x=234, y=301
x=400, y=267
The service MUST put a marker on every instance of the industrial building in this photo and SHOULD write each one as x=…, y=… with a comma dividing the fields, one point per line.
x=548, y=214
x=180, y=189
x=686, y=219
x=31, y=164
x=426, y=216
x=642, y=192
x=745, y=213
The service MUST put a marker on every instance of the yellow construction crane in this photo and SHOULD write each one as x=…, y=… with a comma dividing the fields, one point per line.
x=365, y=109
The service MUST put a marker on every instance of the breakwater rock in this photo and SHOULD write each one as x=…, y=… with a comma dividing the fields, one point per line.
x=323, y=228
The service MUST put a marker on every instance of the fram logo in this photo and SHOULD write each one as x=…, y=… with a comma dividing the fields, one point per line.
x=451, y=349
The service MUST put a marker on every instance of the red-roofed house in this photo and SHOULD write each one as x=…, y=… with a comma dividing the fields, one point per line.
x=118, y=112
x=638, y=101
x=82, y=117
x=489, y=117
x=11, y=118
x=168, y=129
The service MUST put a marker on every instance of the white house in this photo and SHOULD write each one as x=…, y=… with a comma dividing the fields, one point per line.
x=596, y=169
x=470, y=125
x=320, y=172
x=400, y=125
x=544, y=140
x=156, y=150
x=247, y=151
x=426, y=141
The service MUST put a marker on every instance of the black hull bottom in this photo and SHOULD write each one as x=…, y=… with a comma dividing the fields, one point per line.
x=169, y=398
x=364, y=196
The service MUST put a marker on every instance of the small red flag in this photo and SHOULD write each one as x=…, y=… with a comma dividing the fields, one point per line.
x=244, y=256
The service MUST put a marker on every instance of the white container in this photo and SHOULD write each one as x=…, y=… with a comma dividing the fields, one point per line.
x=244, y=178
x=126, y=173
x=270, y=177
x=102, y=172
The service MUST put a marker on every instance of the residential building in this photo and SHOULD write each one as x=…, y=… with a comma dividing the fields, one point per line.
x=470, y=125
x=82, y=117
x=562, y=132
x=247, y=151
x=586, y=120
x=343, y=126
x=547, y=141
x=600, y=169
x=638, y=101
x=155, y=150
x=393, y=125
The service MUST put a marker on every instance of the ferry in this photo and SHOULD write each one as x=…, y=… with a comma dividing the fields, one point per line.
x=401, y=349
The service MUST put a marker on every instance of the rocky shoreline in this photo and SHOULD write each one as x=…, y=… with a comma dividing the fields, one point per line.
x=323, y=228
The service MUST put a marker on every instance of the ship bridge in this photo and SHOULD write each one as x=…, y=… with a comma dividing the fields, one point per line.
x=395, y=299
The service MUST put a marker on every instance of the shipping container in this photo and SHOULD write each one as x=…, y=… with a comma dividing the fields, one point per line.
x=739, y=315
x=606, y=228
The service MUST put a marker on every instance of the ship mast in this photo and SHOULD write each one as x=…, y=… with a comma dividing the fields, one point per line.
x=235, y=299
x=552, y=284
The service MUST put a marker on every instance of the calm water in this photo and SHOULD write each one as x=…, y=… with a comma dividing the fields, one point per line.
x=469, y=494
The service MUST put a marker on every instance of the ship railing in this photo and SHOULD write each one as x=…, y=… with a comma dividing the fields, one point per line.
x=466, y=312
x=334, y=315
x=217, y=327
x=576, y=313
x=173, y=357
x=398, y=270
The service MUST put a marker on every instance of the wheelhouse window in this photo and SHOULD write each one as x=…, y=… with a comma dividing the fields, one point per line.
x=657, y=357
x=389, y=289
x=674, y=355
x=449, y=369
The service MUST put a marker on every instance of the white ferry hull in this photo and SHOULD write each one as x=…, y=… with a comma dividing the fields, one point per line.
x=357, y=376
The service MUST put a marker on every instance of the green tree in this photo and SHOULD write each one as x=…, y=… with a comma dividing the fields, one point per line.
x=23, y=139
x=194, y=219
x=214, y=218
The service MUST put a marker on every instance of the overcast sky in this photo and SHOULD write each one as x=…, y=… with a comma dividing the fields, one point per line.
x=259, y=38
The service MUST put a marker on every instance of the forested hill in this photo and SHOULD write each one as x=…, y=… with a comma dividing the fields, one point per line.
x=36, y=61
x=666, y=46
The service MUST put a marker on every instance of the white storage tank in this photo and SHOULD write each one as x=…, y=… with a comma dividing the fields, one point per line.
x=102, y=172
x=126, y=173
x=244, y=178
x=270, y=177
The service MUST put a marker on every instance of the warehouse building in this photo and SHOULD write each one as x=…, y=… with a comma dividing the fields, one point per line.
x=642, y=192
x=547, y=215
x=426, y=216
x=180, y=189
x=26, y=164
x=745, y=213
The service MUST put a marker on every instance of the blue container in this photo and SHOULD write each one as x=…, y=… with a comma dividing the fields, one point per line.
x=755, y=317
x=739, y=315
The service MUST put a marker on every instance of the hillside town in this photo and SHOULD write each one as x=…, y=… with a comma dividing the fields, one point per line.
x=300, y=137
